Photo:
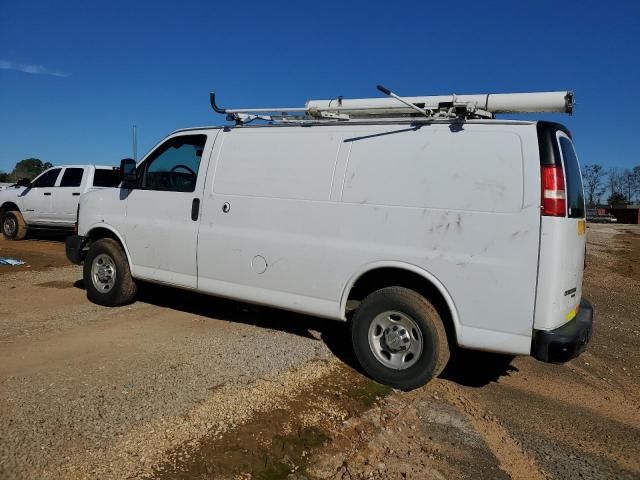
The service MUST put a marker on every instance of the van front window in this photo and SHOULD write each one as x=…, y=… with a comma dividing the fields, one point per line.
x=173, y=166
x=575, y=193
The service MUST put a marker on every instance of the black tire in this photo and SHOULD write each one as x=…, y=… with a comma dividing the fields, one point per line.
x=435, y=348
x=13, y=225
x=122, y=289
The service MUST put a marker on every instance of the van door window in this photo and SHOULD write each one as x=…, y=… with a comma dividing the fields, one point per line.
x=174, y=165
x=47, y=179
x=72, y=177
x=575, y=193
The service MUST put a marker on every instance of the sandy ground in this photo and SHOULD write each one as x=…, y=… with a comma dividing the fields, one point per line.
x=180, y=385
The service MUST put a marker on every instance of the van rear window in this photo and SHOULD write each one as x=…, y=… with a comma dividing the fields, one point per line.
x=106, y=178
x=575, y=193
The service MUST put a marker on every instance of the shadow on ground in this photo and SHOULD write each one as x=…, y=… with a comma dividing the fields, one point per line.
x=48, y=235
x=477, y=369
x=466, y=367
x=336, y=335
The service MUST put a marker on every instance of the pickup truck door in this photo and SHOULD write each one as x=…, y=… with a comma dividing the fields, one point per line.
x=37, y=199
x=163, y=211
x=67, y=195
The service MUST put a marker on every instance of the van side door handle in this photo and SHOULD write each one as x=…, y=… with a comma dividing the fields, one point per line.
x=195, y=209
x=47, y=194
x=76, y=194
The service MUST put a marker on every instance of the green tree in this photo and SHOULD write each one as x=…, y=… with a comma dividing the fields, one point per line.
x=29, y=168
x=4, y=177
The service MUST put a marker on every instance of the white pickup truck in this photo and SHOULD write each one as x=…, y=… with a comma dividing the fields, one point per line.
x=51, y=199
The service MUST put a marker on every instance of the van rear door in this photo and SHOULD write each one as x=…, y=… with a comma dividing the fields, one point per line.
x=562, y=229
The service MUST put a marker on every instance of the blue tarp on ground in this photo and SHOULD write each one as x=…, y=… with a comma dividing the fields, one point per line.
x=10, y=261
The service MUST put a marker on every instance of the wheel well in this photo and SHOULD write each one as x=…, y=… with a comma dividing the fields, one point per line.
x=8, y=206
x=98, y=233
x=397, y=277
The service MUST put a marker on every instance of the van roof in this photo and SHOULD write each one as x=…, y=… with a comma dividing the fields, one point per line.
x=381, y=121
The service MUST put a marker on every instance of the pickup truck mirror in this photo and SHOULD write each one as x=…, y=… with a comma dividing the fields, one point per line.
x=128, y=172
x=24, y=182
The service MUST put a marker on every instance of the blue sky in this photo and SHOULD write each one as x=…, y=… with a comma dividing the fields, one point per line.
x=75, y=75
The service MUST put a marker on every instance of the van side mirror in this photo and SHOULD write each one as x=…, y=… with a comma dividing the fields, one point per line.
x=128, y=172
x=24, y=182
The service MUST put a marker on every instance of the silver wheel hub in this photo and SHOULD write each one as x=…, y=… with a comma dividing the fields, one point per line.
x=9, y=226
x=395, y=339
x=103, y=273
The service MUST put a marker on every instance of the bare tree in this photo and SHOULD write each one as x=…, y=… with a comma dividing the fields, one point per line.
x=593, y=179
x=614, y=181
x=627, y=184
x=635, y=182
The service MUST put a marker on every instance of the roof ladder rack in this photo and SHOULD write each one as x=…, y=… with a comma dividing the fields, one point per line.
x=443, y=107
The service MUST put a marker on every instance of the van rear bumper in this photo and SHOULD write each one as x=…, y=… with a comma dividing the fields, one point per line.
x=565, y=342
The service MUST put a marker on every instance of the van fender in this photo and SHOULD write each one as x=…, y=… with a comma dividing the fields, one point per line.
x=113, y=230
x=411, y=268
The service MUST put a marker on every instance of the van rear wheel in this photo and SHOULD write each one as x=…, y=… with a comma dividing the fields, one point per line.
x=106, y=273
x=13, y=225
x=399, y=338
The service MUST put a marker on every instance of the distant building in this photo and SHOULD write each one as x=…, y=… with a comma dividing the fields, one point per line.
x=624, y=214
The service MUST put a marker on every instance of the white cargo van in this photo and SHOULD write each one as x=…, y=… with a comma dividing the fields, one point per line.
x=426, y=231
x=50, y=201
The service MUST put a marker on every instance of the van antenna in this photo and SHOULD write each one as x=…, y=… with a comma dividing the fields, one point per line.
x=135, y=143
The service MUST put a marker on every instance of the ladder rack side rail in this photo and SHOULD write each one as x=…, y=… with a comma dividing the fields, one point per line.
x=265, y=110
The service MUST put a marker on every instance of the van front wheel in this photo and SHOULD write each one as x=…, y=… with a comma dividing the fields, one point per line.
x=106, y=273
x=399, y=338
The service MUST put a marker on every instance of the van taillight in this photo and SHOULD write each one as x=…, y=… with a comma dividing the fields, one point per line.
x=554, y=201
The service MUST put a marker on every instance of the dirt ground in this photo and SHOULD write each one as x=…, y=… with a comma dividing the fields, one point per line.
x=180, y=385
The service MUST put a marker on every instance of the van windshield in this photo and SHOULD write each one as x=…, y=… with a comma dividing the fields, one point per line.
x=575, y=194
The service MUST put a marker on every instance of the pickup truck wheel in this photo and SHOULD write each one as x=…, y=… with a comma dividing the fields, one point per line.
x=399, y=338
x=106, y=273
x=13, y=225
